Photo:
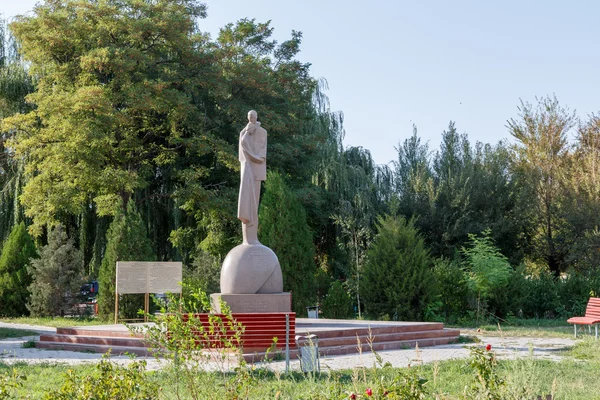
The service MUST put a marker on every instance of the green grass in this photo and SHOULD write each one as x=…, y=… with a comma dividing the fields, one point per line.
x=15, y=333
x=574, y=378
x=523, y=328
x=56, y=322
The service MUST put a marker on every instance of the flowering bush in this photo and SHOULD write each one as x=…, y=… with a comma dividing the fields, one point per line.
x=488, y=384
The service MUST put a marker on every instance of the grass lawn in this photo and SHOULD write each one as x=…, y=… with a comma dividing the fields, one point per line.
x=56, y=322
x=523, y=328
x=574, y=378
x=15, y=333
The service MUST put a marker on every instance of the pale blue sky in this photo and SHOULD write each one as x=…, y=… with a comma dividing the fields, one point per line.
x=390, y=64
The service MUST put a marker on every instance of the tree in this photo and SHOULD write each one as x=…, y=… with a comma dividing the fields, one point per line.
x=126, y=240
x=57, y=275
x=113, y=106
x=581, y=201
x=487, y=268
x=397, y=277
x=17, y=252
x=283, y=228
x=338, y=303
x=541, y=152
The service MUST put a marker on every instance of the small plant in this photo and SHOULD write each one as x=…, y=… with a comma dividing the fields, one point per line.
x=189, y=338
x=30, y=344
x=488, y=384
x=112, y=382
x=9, y=383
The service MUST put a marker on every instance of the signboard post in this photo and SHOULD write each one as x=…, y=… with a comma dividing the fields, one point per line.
x=137, y=277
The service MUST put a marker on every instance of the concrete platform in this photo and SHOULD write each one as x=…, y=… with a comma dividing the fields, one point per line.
x=335, y=337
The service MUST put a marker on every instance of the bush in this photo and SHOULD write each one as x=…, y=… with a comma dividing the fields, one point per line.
x=453, y=289
x=111, y=382
x=56, y=275
x=204, y=275
x=126, y=240
x=542, y=299
x=337, y=303
x=397, y=279
x=17, y=252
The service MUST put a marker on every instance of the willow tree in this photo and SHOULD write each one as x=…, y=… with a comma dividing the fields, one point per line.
x=541, y=153
x=15, y=84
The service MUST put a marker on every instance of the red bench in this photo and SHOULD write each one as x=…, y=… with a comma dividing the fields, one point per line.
x=592, y=316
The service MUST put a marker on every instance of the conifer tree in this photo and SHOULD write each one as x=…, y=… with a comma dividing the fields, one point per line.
x=57, y=275
x=17, y=252
x=283, y=228
x=127, y=240
x=397, y=277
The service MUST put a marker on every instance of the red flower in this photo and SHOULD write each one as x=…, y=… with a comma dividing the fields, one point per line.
x=488, y=347
x=385, y=393
x=352, y=396
x=369, y=392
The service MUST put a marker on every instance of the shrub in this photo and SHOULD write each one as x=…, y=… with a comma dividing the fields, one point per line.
x=17, y=252
x=337, y=303
x=56, y=275
x=542, y=299
x=397, y=278
x=112, y=382
x=452, y=286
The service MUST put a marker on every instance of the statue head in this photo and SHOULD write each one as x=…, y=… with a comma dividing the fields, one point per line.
x=252, y=116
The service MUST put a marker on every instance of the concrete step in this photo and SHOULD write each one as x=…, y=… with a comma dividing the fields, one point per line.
x=94, y=340
x=353, y=349
x=94, y=348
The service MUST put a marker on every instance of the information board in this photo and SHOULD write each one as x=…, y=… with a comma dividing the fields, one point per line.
x=148, y=277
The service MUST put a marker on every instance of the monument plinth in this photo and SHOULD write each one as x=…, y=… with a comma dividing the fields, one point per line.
x=251, y=279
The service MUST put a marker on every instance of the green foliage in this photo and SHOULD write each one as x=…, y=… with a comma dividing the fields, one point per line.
x=9, y=383
x=189, y=344
x=541, y=157
x=337, y=304
x=111, y=382
x=283, y=228
x=57, y=275
x=453, y=289
x=487, y=267
x=17, y=252
x=110, y=106
x=203, y=275
x=397, y=278
x=487, y=384
x=126, y=240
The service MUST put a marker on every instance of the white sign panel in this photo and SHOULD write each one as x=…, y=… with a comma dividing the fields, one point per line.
x=164, y=277
x=148, y=277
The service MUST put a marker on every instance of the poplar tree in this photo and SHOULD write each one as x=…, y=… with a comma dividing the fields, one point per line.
x=284, y=230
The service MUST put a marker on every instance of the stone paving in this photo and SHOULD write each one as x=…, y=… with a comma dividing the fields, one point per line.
x=12, y=350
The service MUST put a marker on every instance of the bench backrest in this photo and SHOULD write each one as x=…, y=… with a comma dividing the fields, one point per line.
x=593, y=308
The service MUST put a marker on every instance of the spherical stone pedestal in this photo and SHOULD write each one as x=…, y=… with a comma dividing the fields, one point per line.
x=250, y=269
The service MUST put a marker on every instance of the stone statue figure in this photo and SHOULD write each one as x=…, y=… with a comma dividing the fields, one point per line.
x=251, y=268
x=253, y=162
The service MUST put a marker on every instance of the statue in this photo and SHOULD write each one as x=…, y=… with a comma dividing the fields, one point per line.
x=251, y=268
x=253, y=162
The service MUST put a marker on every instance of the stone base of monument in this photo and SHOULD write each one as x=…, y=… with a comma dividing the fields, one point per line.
x=250, y=269
x=252, y=303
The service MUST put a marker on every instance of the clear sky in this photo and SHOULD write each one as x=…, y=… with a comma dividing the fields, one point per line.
x=391, y=64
